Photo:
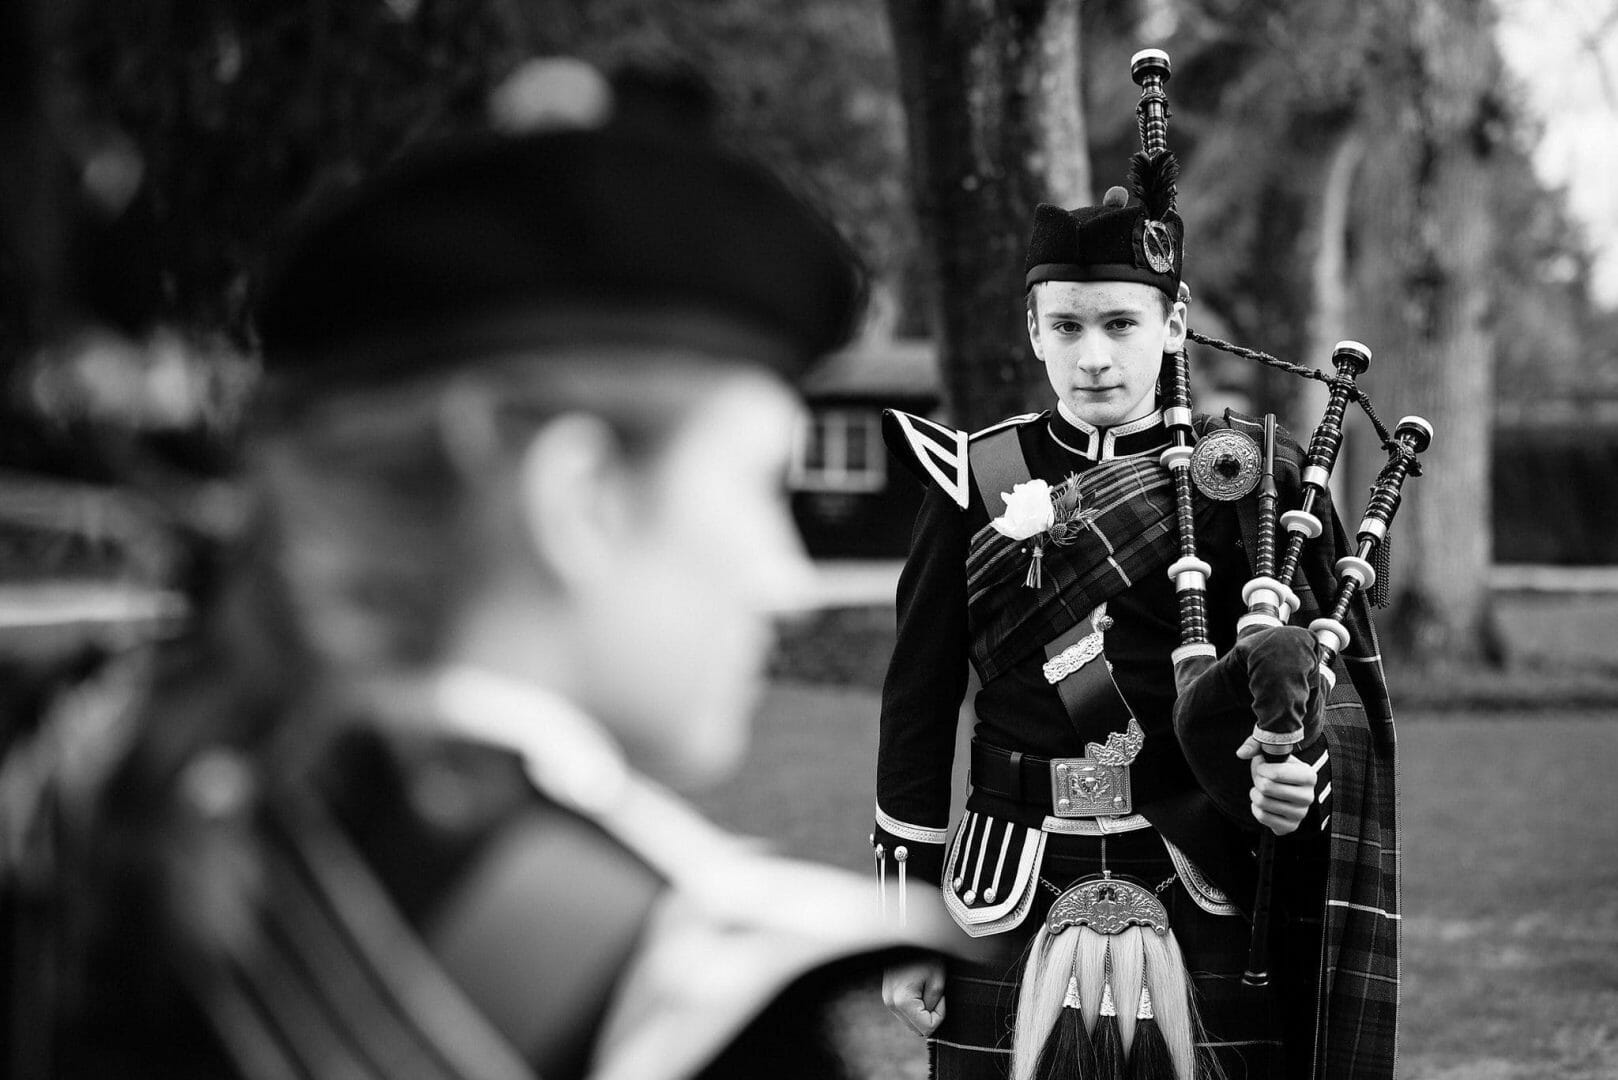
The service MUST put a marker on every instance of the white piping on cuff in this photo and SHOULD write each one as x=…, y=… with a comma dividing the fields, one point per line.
x=904, y=830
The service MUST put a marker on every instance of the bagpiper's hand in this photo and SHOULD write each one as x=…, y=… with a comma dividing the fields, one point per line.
x=1282, y=791
x=915, y=994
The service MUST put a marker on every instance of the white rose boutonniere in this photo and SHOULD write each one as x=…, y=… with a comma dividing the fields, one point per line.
x=1030, y=511
x=1036, y=511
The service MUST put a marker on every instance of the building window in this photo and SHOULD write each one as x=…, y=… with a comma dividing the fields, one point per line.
x=840, y=450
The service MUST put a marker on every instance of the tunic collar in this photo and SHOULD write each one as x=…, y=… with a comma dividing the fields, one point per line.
x=1103, y=444
x=566, y=753
x=576, y=762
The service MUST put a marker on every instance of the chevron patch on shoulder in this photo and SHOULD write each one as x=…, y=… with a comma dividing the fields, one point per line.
x=940, y=452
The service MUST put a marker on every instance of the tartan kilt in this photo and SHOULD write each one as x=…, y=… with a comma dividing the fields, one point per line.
x=1244, y=1027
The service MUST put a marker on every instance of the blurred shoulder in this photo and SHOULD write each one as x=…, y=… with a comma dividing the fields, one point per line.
x=428, y=810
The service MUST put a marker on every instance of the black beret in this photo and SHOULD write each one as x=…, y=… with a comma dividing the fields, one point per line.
x=1106, y=243
x=620, y=232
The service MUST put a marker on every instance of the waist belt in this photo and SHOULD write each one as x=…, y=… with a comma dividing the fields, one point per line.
x=1061, y=787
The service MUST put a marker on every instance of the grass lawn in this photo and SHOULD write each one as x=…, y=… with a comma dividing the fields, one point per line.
x=1511, y=898
x=1511, y=880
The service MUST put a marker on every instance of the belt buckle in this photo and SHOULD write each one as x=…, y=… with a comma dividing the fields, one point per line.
x=1085, y=787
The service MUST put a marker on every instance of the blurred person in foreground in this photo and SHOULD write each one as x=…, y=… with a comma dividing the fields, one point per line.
x=520, y=538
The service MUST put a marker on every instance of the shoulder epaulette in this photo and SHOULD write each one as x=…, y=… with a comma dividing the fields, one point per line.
x=931, y=450
x=935, y=452
x=1010, y=421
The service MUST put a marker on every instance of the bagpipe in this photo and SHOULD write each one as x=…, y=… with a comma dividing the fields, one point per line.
x=1124, y=1011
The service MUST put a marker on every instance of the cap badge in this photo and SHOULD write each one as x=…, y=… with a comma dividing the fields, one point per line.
x=1225, y=465
x=1158, y=244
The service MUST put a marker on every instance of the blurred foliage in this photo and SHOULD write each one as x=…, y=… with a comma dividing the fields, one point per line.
x=235, y=114
x=1264, y=90
x=152, y=152
x=161, y=146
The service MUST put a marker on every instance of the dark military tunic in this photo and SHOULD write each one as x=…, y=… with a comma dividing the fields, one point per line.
x=1204, y=873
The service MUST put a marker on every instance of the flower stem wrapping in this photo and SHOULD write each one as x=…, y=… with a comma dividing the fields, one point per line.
x=1035, y=576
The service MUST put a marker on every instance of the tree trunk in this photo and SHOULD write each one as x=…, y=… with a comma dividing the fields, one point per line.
x=1428, y=239
x=1328, y=320
x=991, y=95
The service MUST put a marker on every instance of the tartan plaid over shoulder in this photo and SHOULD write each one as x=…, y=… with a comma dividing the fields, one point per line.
x=1357, y=1013
x=1131, y=533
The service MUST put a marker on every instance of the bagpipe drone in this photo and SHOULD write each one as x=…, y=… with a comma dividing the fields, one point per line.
x=1104, y=992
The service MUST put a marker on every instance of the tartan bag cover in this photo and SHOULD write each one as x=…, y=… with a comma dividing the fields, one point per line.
x=1356, y=1016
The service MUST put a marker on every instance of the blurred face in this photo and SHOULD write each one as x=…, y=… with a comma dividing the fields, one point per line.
x=681, y=627
x=1102, y=343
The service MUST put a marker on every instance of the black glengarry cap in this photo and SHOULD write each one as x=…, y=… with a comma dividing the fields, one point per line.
x=1143, y=241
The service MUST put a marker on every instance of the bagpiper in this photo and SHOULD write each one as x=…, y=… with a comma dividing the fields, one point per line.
x=1178, y=834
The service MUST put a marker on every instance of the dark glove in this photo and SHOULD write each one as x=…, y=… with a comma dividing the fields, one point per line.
x=1268, y=679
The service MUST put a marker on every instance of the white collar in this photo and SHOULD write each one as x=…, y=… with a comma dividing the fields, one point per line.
x=1102, y=444
x=567, y=755
x=577, y=763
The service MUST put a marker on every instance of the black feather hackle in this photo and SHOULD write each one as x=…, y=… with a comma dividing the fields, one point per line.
x=1152, y=179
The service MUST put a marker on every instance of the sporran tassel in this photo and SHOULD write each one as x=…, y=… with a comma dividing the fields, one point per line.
x=1125, y=972
x=1109, y=1045
x=1048, y=985
x=1068, y=1052
x=1173, y=1014
x=1149, y=1057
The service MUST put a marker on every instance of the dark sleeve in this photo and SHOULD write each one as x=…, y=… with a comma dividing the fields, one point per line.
x=540, y=930
x=921, y=696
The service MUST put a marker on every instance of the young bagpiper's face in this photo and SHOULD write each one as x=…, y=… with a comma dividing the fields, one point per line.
x=1102, y=343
